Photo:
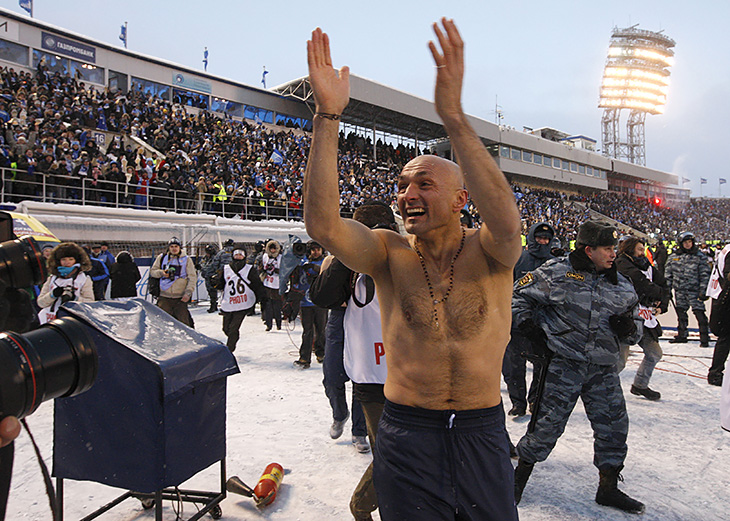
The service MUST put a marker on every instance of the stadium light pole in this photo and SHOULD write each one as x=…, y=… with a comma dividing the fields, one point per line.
x=636, y=79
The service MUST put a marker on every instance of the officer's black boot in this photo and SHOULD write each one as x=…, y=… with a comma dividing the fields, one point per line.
x=522, y=474
x=682, y=323
x=609, y=495
x=704, y=327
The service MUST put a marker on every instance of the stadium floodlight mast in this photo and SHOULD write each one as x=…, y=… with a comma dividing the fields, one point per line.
x=635, y=79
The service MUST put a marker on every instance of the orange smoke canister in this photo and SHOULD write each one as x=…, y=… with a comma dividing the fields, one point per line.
x=265, y=490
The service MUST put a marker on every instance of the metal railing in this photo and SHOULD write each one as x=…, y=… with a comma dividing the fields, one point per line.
x=17, y=185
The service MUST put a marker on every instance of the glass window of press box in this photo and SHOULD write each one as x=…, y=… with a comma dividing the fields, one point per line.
x=258, y=115
x=224, y=106
x=151, y=88
x=189, y=98
x=86, y=72
x=293, y=122
x=12, y=52
x=56, y=64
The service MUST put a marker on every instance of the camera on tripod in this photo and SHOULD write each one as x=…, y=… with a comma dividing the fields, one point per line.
x=57, y=359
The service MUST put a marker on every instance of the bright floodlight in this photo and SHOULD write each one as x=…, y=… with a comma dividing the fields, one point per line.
x=636, y=78
x=637, y=71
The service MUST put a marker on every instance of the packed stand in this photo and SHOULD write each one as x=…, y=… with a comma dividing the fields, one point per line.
x=236, y=169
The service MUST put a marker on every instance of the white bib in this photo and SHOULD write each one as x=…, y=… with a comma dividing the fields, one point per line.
x=646, y=313
x=49, y=313
x=236, y=295
x=713, y=288
x=271, y=271
x=364, y=351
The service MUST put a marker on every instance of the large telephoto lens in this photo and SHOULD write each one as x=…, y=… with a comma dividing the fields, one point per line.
x=56, y=360
x=22, y=263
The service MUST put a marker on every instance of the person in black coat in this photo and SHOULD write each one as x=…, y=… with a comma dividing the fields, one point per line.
x=653, y=293
x=537, y=251
x=124, y=275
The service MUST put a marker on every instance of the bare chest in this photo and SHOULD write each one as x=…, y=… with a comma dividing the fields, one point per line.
x=462, y=315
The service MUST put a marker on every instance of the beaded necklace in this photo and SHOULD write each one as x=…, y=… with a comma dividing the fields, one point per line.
x=435, y=300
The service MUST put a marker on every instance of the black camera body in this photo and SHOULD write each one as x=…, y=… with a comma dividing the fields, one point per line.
x=171, y=271
x=299, y=249
x=57, y=359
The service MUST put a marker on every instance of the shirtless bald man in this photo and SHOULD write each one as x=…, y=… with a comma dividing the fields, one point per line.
x=445, y=293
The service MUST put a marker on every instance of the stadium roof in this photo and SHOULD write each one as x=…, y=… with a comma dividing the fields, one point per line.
x=375, y=105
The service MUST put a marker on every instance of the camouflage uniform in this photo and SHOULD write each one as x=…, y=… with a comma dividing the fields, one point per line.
x=572, y=304
x=688, y=273
x=207, y=271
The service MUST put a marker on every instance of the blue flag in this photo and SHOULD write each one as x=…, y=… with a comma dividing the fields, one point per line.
x=27, y=5
x=277, y=157
x=123, y=34
x=703, y=181
x=205, y=59
x=723, y=181
x=263, y=76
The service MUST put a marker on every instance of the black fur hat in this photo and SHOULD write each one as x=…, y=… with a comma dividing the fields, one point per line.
x=594, y=234
x=68, y=249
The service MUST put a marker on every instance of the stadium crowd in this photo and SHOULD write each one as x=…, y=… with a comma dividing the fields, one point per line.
x=198, y=161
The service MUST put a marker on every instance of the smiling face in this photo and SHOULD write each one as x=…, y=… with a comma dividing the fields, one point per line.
x=430, y=193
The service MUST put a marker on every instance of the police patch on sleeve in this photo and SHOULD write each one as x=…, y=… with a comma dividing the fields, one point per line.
x=575, y=276
x=524, y=281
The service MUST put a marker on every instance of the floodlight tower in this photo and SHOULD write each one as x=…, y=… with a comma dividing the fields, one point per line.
x=636, y=78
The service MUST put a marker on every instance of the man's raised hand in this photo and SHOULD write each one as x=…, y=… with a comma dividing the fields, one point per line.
x=449, y=69
x=331, y=88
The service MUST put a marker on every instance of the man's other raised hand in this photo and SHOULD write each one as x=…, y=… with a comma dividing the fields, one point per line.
x=331, y=87
x=449, y=69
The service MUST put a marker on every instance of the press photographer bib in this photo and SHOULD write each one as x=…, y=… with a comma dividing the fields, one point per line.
x=76, y=283
x=236, y=296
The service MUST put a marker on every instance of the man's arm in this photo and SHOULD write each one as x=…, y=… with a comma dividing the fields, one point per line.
x=355, y=244
x=500, y=233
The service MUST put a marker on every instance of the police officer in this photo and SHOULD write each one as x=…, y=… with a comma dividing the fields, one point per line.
x=223, y=257
x=538, y=250
x=207, y=271
x=577, y=308
x=688, y=273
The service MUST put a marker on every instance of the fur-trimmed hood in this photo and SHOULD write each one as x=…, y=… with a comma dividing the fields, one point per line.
x=68, y=249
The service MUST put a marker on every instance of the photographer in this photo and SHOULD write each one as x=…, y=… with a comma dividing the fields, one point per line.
x=178, y=279
x=314, y=318
x=271, y=263
x=240, y=288
x=68, y=281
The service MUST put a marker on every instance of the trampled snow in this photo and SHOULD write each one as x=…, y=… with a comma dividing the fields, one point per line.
x=678, y=462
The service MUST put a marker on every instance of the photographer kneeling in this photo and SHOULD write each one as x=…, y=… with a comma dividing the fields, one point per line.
x=178, y=278
x=68, y=281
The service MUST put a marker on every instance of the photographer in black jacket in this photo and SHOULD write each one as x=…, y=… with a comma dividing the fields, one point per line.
x=653, y=293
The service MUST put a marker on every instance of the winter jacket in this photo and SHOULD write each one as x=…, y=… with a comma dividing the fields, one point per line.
x=124, y=275
x=185, y=279
x=688, y=271
x=648, y=291
x=534, y=255
x=572, y=304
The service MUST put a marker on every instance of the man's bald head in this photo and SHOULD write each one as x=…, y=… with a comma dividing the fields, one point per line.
x=437, y=165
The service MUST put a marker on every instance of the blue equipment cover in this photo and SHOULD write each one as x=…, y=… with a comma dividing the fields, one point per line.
x=156, y=414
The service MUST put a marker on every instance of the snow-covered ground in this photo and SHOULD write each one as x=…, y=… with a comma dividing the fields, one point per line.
x=678, y=462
